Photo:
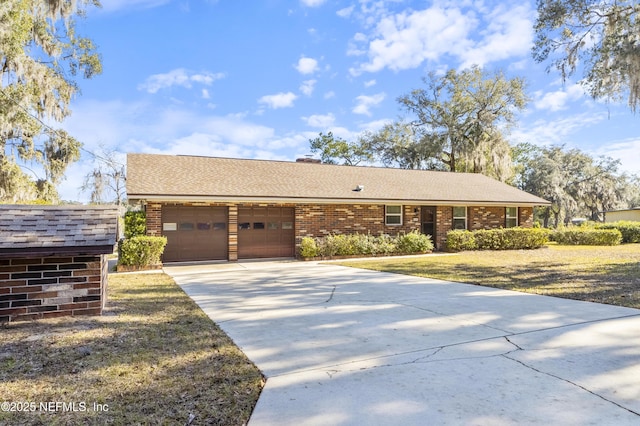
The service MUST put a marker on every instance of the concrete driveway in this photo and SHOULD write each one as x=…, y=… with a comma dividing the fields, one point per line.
x=343, y=346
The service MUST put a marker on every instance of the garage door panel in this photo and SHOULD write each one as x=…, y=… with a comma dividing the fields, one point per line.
x=195, y=233
x=265, y=232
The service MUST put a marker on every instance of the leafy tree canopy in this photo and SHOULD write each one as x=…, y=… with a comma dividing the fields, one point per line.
x=40, y=55
x=577, y=184
x=460, y=120
x=601, y=36
x=335, y=150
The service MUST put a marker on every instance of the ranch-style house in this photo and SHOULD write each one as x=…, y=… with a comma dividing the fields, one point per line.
x=228, y=209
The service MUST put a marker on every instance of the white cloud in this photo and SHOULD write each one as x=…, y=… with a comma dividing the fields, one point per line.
x=198, y=143
x=312, y=3
x=364, y=103
x=307, y=87
x=407, y=39
x=369, y=83
x=279, y=100
x=177, y=77
x=552, y=132
x=346, y=12
x=307, y=65
x=557, y=100
x=628, y=151
x=320, y=121
x=114, y=5
x=509, y=33
x=205, y=94
x=330, y=94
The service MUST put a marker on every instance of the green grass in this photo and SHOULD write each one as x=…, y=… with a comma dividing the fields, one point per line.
x=153, y=358
x=608, y=275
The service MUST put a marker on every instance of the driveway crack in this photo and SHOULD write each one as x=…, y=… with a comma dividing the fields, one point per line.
x=524, y=364
x=332, y=293
x=512, y=343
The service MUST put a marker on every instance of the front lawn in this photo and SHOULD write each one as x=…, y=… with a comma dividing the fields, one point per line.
x=153, y=358
x=608, y=274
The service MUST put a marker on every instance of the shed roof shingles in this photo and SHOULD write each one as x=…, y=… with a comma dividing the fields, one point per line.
x=51, y=227
x=151, y=176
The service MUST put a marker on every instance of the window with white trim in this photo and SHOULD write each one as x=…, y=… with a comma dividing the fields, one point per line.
x=511, y=217
x=393, y=215
x=460, y=217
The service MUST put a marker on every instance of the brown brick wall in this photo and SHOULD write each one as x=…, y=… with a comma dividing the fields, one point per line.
x=444, y=223
x=525, y=217
x=233, y=233
x=154, y=219
x=486, y=217
x=33, y=288
x=317, y=220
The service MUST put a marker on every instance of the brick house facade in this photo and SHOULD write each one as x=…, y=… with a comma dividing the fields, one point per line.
x=229, y=209
x=318, y=220
x=53, y=260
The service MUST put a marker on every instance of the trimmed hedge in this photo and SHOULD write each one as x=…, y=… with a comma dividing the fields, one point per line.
x=141, y=251
x=135, y=224
x=414, y=242
x=461, y=240
x=497, y=239
x=630, y=230
x=364, y=245
x=587, y=236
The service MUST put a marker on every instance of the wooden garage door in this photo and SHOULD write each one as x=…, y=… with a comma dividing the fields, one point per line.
x=265, y=232
x=195, y=233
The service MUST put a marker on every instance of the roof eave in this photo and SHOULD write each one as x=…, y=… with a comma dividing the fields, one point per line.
x=318, y=200
x=56, y=251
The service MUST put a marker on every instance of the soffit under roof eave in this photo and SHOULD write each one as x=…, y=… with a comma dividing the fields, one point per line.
x=294, y=200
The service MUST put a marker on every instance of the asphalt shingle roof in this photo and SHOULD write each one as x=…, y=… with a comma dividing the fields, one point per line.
x=165, y=177
x=48, y=229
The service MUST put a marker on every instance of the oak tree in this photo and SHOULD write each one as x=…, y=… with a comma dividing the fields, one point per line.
x=460, y=120
x=601, y=37
x=41, y=54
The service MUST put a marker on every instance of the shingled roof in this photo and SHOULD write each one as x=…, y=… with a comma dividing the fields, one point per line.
x=155, y=177
x=50, y=230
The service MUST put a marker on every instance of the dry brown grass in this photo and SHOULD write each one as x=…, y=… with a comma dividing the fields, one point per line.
x=153, y=358
x=608, y=275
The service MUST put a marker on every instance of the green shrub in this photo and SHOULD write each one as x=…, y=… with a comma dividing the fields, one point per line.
x=364, y=244
x=489, y=239
x=461, y=240
x=587, y=236
x=308, y=247
x=526, y=238
x=141, y=251
x=414, y=242
x=385, y=244
x=497, y=239
x=630, y=230
x=135, y=224
x=340, y=245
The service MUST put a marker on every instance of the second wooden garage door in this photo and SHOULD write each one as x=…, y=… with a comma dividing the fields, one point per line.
x=266, y=232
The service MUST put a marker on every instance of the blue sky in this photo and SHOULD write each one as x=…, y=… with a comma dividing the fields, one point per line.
x=258, y=79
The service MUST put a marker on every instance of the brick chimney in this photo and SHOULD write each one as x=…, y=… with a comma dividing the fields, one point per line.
x=308, y=160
